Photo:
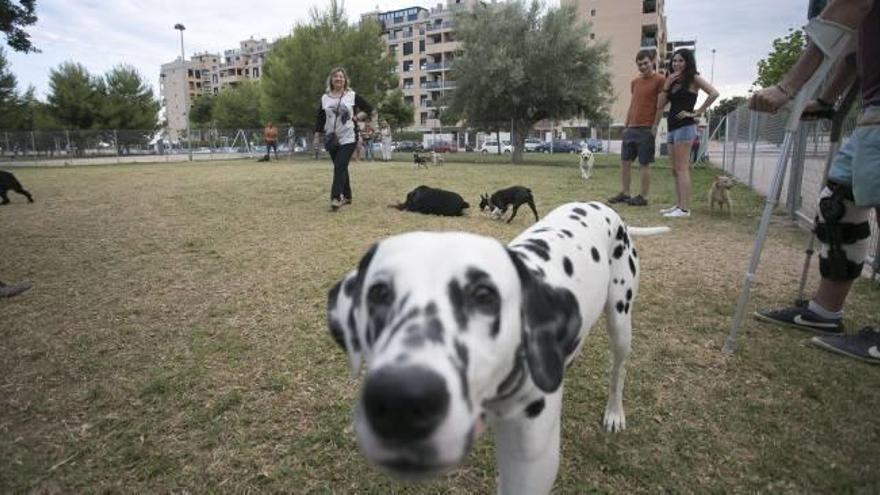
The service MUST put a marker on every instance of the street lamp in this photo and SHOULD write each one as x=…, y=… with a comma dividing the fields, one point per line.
x=180, y=27
x=712, y=74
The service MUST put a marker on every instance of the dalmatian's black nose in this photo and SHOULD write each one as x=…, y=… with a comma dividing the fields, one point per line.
x=405, y=404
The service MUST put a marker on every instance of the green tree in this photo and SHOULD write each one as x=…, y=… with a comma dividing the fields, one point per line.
x=725, y=106
x=128, y=107
x=35, y=114
x=295, y=71
x=785, y=53
x=13, y=20
x=395, y=110
x=75, y=96
x=238, y=107
x=202, y=110
x=521, y=65
x=9, y=103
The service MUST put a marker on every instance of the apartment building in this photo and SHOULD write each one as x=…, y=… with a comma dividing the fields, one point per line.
x=628, y=26
x=672, y=46
x=182, y=81
x=423, y=43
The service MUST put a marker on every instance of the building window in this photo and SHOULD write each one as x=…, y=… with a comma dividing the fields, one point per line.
x=407, y=48
x=421, y=46
x=407, y=65
x=256, y=72
x=592, y=36
x=593, y=12
x=424, y=118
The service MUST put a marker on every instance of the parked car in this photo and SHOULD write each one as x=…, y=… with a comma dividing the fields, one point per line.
x=592, y=144
x=492, y=147
x=560, y=146
x=444, y=147
x=532, y=144
x=411, y=146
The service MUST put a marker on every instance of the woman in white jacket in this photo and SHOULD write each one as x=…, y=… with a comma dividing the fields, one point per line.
x=385, y=133
x=338, y=104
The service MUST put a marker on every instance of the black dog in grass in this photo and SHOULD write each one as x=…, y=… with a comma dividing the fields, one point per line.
x=420, y=161
x=433, y=201
x=502, y=199
x=9, y=182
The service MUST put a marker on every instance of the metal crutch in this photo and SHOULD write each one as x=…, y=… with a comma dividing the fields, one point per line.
x=837, y=118
x=831, y=40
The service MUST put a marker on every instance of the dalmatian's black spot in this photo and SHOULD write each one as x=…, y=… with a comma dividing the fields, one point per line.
x=618, y=251
x=566, y=264
x=632, y=266
x=608, y=220
x=579, y=211
x=534, y=409
x=542, y=229
x=629, y=295
x=595, y=253
x=534, y=248
x=567, y=233
x=584, y=225
x=515, y=379
x=538, y=272
x=595, y=206
x=575, y=218
x=560, y=236
x=635, y=254
x=626, y=308
x=456, y=298
x=434, y=330
x=403, y=320
x=619, y=306
x=461, y=352
x=540, y=243
x=614, y=281
x=349, y=286
x=363, y=267
x=609, y=232
x=337, y=332
x=379, y=300
x=580, y=248
x=414, y=341
x=355, y=341
x=430, y=309
x=333, y=294
x=622, y=235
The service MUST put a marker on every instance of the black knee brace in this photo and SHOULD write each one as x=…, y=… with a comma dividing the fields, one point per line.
x=842, y=228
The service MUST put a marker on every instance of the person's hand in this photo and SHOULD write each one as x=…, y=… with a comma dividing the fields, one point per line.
x=672, y=79
x=684, y=114
x=654, y=130
x=316, y=142
x=769, y=99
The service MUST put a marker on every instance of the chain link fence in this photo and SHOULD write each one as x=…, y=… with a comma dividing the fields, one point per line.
x=125, y=146
x=746, y=145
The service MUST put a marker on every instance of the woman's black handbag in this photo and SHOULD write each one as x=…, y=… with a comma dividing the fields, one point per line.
x=331, y=142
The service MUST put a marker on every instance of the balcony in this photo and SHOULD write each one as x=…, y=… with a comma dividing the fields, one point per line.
x=649, y=43
x=436, y=66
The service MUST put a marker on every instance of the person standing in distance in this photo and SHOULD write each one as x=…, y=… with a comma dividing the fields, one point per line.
x=641, y=129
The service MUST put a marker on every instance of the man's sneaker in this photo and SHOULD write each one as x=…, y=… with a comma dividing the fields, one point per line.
x=620, y=198
x=668, y=210
x=345, y=201
x=864, y=346
x=802, y=318
x=335, y=204
x=677, y=213
x=638, y=201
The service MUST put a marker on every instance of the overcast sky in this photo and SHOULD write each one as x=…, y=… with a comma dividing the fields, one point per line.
x=103, y=33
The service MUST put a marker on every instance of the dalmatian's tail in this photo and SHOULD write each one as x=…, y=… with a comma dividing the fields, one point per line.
x=644, y=231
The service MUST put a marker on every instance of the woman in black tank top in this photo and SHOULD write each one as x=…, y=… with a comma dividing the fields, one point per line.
x=680, y=91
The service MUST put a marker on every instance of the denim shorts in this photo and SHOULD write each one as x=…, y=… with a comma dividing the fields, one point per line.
x=857, y=164
x=685, y=134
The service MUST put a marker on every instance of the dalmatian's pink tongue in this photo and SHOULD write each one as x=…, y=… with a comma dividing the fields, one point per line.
x=479, y=427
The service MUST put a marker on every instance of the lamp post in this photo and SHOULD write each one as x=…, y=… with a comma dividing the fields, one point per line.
x=180, y=27
x=712, y=73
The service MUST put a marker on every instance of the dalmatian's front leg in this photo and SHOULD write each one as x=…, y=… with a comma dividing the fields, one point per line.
x=527, y=448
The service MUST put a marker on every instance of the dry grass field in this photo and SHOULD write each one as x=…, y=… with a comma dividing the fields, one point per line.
x=175, y=339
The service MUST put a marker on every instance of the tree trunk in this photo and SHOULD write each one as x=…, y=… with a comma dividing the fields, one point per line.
x=520, y=130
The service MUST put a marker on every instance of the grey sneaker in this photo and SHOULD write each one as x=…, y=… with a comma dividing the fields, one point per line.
x=802, y=318
x=864, y=346
x=638, y=201
x=335, y=204
x=620, y=198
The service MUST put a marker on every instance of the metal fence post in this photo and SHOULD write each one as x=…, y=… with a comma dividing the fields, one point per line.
x=116, y=144
x=33, y=143
x=6, y=134
x=796, y=177
x=735, y=141
x=753, y=140
x=726, y=140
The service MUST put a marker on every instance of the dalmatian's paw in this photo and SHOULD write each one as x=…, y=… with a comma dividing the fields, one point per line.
x=614, y=421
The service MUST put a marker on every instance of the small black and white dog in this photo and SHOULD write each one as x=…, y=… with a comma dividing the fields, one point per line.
x=420, y=161
x=433, y=201
x=502, y=199
x=9, y=182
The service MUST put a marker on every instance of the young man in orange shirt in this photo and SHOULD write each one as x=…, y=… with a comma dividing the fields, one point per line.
x=641, y=128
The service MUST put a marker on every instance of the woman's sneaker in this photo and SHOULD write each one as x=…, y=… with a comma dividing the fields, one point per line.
x=668, y=210
x=803, y=319
x=864, y=346
x=619, y=198
x=677, y=213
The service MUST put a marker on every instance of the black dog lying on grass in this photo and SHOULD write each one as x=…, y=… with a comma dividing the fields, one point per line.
x=420, y=161
x=502, y=199
x=433, y=201
x=9, y=182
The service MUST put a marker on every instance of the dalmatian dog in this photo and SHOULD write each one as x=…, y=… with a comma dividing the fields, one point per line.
x=458, y=331
x=586, y=163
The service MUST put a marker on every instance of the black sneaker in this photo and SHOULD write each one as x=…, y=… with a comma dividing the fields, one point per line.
x=864, y=346
x=638, y=201
x=13, y=289
x=803, y=319
x=620, y=198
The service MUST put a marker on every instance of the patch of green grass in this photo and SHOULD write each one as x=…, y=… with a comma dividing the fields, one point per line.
x=175, y=338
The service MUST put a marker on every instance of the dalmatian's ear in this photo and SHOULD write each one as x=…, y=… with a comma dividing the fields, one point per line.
x=340, y=319
x=551, y=322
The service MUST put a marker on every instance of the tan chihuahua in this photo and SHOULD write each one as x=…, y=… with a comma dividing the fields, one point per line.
x=720, y=193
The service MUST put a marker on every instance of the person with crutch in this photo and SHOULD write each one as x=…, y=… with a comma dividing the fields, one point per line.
x=853, y=186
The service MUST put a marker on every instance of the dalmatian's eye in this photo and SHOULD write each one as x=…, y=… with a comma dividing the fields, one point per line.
x=380, y=293
x=484, y=295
